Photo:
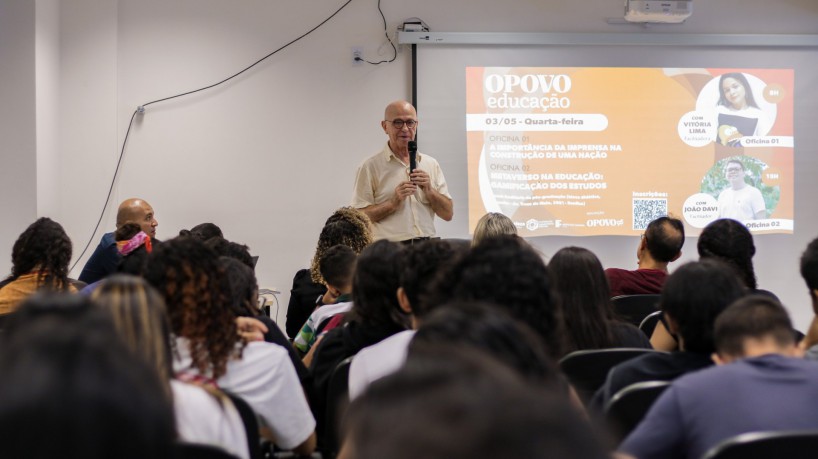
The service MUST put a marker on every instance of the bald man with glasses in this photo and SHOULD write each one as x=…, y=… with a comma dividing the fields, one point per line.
x=402, y=206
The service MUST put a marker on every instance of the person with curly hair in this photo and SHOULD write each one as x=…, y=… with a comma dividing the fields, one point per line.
x=203, y=414
x=39, y=260
x=346, y=226
x=209, y=346
x=505, y=270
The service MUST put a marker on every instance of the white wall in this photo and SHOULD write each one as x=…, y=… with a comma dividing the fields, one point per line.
x=18, y=181
x=269, y=155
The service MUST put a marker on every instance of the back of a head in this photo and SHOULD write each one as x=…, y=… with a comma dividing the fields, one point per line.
x=665, y=237
x=134, y=251
x=752, y=317
x=456, y=407
x=584, y=296
x=489, y=329
x=375, y=285
x=139, y=317
x=694, y=295
x=346, y=226
x=225, y=248
x=422, y=264
x=731, y=242
x=809, y=266
x=186, y=272
x=70, y=389
x=337, y=266
x=204, y=231
x=43, y=246
x=492, y=224
x=505, y=270
x=242, y=285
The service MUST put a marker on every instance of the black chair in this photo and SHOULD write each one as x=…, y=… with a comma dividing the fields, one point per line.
x=587, y=370
x=337, y=401
x=634, y=308
x=627, y=407
x=757, y=445
x=648, y=324
x=250, y=421
x=198, y=451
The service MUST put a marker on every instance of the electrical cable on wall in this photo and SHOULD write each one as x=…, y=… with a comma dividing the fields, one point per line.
x=386, y=32
x=141, y=109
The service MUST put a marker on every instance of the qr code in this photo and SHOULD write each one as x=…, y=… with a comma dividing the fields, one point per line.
x=647, y=210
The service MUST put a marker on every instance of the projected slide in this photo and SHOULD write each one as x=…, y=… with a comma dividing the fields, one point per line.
x=603, y=151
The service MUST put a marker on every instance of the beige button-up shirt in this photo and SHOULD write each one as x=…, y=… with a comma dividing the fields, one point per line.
x=375, y=183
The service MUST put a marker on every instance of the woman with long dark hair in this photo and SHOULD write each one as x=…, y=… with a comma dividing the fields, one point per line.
x=585, y=306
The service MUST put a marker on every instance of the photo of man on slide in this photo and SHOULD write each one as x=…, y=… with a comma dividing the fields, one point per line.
x=740, y=201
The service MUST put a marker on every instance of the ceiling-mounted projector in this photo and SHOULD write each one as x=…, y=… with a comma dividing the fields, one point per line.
x=669, y=12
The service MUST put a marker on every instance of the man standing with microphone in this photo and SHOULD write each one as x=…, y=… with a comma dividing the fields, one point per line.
x=402, y=203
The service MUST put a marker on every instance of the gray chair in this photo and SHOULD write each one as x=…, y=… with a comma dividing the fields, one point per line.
x=628, y=407
x=765, y=445
x=648, y=324
x=634, y=308
x=586, y=370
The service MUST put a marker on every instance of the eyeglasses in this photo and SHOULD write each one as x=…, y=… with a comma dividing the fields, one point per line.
x=733, y=169
x=399, y=124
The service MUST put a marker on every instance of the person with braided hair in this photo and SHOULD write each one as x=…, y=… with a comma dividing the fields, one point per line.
x=346, y=226
x=730, y=242
x=209, y=345
x=39, y=259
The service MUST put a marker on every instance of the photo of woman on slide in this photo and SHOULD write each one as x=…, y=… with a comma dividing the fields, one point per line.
x=738, y=113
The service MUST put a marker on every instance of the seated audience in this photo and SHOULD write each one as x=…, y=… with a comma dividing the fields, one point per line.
x=347, y=226
x=203, y=414
x=375, y=315
x=336, y=266
x=693, y=296
x=39, y=259
x=492, y=224
x=454, y=403
x=422, y=263
x=585, y=304
x=209, y=347
x=730, y=242
x=105, y=258
x=506, y=271
x=760, y=384
x=70, y=388
x=489, y=329
x=660, y=245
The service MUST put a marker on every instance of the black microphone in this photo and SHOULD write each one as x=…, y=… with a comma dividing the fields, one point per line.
x=413, y=154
